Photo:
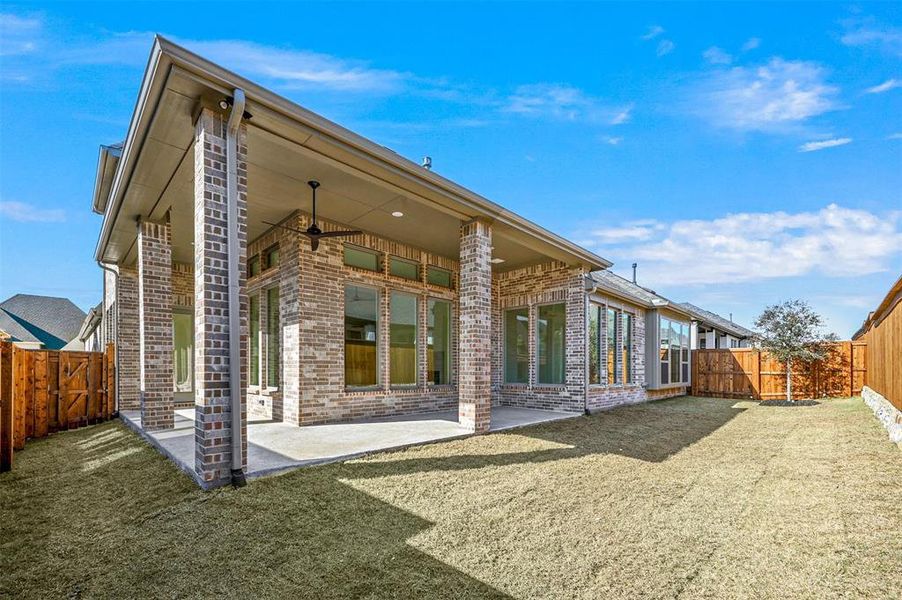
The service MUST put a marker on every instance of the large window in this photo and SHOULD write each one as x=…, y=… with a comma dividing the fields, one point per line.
x=361, y=336
x=627, y=353
x=438, y=342
x=272, y=337
x=183, y=345
x=594, y=344
x=403, y=338
x=255, y=339
x=551, y=343
x=516, y=345
x=674, y=352
x=613, y=375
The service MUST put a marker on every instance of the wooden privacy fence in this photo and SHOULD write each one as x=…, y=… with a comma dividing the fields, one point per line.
x=44, y=391
x=750, y=373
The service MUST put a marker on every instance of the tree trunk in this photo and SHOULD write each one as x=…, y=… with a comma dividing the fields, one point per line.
x=789, y=380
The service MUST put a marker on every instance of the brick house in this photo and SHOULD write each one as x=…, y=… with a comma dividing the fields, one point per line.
x=439, y=299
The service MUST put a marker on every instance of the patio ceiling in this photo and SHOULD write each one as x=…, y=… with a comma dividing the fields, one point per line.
x=362, y=183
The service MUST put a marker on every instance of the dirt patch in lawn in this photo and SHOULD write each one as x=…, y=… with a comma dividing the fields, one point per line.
x=788, y=403
x=692, y=497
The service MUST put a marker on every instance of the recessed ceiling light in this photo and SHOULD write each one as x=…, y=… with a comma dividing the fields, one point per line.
x=397, y=213
x=496, y=261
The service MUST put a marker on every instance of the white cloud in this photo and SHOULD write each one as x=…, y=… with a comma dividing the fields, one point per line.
x=665, y=47
x=772, y=97
x=822, y=144
x=612, y=140
x=894, y=136
x=751, y=44
x=834, y=241
x=653, y=32
x=563, y=102
x=867, y=31
x=889, y=84
x=27, y=213
x=717, y=56
x=19, y=35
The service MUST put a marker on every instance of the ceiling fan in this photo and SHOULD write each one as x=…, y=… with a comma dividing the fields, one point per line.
x=314, y=233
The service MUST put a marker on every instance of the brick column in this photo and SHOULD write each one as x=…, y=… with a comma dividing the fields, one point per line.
x=127, y=339
x=212, y=399
x=155, y=324
x=475, y=335
x=287, y=407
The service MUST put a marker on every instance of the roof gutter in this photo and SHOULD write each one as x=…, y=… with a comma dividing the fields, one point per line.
x=235, y=392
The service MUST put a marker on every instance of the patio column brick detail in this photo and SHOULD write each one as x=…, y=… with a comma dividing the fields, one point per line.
x=127, y=338
x=475, y=337
x=212, y=404
x=155, y=324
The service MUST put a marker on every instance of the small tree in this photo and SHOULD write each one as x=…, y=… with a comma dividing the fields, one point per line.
x=790, y=332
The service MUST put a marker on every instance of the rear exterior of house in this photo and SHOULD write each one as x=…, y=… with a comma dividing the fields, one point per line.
x=437, y=299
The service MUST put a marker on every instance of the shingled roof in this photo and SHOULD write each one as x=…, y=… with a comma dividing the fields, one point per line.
x=717, y=321
x=51, y=321
x=610, y=281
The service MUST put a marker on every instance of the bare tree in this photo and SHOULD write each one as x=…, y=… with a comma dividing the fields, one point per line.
x=791, y=332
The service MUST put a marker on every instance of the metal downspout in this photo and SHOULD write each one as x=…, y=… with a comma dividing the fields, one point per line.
x=237, y=112
x=116, y=343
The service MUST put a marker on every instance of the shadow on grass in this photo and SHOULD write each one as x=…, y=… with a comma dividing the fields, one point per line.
x=108, y=516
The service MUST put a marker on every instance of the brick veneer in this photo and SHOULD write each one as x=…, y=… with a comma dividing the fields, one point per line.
x=127, y=338
x=155, y=324
x=475, y=341
x=213, y=420
x=530, y=287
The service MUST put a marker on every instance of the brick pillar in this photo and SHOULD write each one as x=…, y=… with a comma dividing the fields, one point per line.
x=155, y=324
x=475, y=338
x=127, y=339
x=287, y=408
x=212, y=400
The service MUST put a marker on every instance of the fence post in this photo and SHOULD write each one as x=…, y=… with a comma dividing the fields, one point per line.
x=6, y=406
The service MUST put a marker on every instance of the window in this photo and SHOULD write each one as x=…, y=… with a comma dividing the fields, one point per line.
x=253, y=265
x=439, y=277
x=613, y=375
x=271, y=257
x=627, y=354
x=183, y=347
x=272, y=337
x=674, y=352
x=403, y=339
x=550, y=346
x=362, y=258
x=438, y=342
x=361, y=336
x=255, y=339
x=403, y=268
x=516, y=345
x=594, y=344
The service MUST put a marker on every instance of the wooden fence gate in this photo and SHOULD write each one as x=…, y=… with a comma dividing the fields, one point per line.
x=750, y=373
x=45, y=391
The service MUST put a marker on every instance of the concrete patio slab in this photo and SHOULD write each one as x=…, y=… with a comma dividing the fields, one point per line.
x=275, y=447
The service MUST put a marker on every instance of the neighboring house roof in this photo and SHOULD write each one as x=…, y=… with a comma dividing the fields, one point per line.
x=610, y=282
x=50, y=321
x=717, y=321
x=75, y=345
x=91, y=322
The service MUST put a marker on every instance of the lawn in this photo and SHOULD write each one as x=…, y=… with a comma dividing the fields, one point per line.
x=693, y=497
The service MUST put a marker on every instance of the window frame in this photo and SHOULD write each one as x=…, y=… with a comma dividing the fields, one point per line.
x=430, y=268
x=599, y=345
x=379, y=341
x=429, y=383
x=379, y=256
x=265, y=383
x=416, y=339
x=537, y=366
x=504, y=349
x=392, y=258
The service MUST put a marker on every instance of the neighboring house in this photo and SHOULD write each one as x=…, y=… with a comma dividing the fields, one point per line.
x=710, y=330
x=89, y=338
x=39, y=322
x=424, y=297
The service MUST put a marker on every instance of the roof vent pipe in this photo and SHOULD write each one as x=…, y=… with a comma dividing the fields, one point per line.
x=635, y=266
x=235, y=115
x=427, y=163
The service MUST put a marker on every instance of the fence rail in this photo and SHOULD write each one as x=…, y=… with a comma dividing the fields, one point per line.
x=750, y=373
x=45, y=391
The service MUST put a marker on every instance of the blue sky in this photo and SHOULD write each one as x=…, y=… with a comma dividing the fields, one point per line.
x=742, y=154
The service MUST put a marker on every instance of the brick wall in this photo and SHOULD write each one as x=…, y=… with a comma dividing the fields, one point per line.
x=129, y=344
x=475, y=342
x=547, y=283
x=312, y=388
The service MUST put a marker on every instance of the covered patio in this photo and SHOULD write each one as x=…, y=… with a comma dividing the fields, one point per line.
x=274, y=447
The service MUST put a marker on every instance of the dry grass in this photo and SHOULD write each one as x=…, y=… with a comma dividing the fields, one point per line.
x=682, y=498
